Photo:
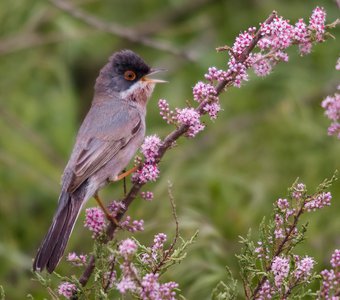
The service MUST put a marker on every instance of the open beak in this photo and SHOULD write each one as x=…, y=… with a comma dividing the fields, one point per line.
x=154, y=80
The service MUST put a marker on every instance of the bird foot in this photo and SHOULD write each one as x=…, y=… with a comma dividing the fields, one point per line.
x=106, y=212
x=125, y=174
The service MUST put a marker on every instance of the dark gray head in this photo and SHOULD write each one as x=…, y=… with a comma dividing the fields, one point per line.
x=123, y=70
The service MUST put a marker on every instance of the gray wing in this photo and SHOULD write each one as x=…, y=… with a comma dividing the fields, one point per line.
x=105, y=130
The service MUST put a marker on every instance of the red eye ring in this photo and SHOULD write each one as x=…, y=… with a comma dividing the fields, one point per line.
x=130, y=75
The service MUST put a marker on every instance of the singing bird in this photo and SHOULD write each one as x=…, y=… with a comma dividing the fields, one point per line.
x=108, y=138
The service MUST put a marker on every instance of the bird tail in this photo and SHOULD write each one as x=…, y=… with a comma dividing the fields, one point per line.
x=53, y=246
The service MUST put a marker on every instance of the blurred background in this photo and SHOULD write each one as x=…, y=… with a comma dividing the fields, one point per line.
x=270, y=131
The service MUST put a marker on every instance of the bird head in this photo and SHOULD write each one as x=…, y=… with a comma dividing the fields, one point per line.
x=126, y=73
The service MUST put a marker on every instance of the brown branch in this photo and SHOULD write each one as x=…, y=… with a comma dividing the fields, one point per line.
x=167, y=143
x=118, y=30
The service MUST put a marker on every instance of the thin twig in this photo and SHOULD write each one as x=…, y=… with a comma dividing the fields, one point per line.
x=118, y=30
x=112, y=269
x=172, y=246
x=168, y=142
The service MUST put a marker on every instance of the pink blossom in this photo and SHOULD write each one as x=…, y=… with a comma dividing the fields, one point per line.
x=95, y=221
x=300, y=33
x=280, y=32
x=215, y=74
x=264, y=43
x=116, y=207
x=266, y=291
x=191, y=118
x=240, y=71
x=159, y=241
x=280, y=268
x=262, y=66
x=150, y=148
x=126, y=284
x=243, y=40
x=67, y=289
x=317, y=22
x=134, y=226
x=203, y=91
x=212, y=109
x=153, y=290
x=305, y=48
x=127, y=248
x=319, y=201
x=148, y=196
x=298, y=191
x=304, y=267
x=335, y=260
x=282, y=204
x=332, y=107
x=334, y=129
x=330, y=282
x=164, y=110
x=281, y=56
x=148, y=172
x=77, y=260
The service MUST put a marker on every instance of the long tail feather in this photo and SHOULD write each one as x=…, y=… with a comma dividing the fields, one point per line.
x=53, y=246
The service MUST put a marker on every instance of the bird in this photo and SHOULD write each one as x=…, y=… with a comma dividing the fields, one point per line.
x=108, y=138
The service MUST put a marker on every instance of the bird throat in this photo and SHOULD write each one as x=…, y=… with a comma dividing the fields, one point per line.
x=139, y=92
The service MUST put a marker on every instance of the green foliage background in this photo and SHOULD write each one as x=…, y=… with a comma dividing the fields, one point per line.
x=270, y=131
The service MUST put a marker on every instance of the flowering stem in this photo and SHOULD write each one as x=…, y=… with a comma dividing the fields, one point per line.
x=167, y=143
x=280, y=248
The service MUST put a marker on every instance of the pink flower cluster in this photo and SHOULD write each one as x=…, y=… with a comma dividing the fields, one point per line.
x=332, y=110
x=164, y=110
x=276, y=37
x=280, y=268
x=148, y=287
x=213, y=75
x=116, y=207
x=149, y=170
x=153, y=290
x=317, y=22
x=155, y=251
x=299, y=190
x=335, y=260
x=126, y=284
x=191, y=118
x=286, y=209
x=330, y=287
x=132, y=226
x=206, y=92
x=148, y=196
x=266, y=291
x=150, y=148
x=304, y=267
x=77, y=260
x=319, y=201
x=95, y=221
x=127, y=248
x=67, y=289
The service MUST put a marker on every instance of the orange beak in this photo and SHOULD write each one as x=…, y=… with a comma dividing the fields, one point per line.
x=154, y=80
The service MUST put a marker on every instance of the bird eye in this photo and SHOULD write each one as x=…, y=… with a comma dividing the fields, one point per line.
x=129, y=75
